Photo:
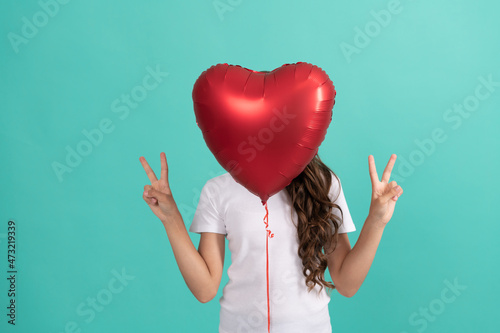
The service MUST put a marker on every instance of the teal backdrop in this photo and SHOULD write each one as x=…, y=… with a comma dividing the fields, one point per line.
x=420, y=79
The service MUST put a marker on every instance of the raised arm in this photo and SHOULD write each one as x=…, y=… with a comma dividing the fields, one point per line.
x=349, y=267
x=202, y=268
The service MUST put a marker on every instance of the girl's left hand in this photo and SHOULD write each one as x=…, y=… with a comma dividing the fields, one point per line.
x=384, y=194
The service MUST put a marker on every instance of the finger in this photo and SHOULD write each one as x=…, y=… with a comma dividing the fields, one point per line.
x=149, y=198
x=149, y=201
x=393, y=193
x=396, y=197
x=373, y=169
x=150, y=192
x=399, y=194
x=147, y=191
x=149, y=171
x=388, y=169
x=164, y=168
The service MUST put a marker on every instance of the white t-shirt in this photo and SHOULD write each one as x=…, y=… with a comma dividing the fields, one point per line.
x=228, y=208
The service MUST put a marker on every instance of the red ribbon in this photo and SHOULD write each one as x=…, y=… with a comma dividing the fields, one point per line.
x=268, y=235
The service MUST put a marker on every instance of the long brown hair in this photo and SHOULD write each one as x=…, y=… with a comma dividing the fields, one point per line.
x=317, y=226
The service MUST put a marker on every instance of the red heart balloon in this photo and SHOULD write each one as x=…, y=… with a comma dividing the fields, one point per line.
x=264, y=128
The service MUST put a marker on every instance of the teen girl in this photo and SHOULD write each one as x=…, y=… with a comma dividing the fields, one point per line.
x=309, y=220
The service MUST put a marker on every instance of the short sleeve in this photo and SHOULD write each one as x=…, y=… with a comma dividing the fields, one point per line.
x=347, y=224
x=207, y=217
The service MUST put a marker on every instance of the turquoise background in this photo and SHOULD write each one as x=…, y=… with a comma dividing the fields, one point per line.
x=73, y=232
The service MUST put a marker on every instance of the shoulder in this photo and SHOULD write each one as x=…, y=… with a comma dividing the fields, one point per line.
x=335, y=187
x=217, y=184
x=228, y=192
x=221, y=180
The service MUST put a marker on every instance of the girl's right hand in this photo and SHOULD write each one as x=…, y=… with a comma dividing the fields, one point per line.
x=158, y=195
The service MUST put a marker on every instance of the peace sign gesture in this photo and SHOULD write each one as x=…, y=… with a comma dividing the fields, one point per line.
x=384, y=194
x=158, y=195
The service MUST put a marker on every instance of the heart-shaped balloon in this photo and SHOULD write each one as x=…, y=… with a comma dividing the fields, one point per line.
x=264, y=128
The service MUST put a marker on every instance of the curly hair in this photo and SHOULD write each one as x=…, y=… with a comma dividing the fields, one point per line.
x=317, y=226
